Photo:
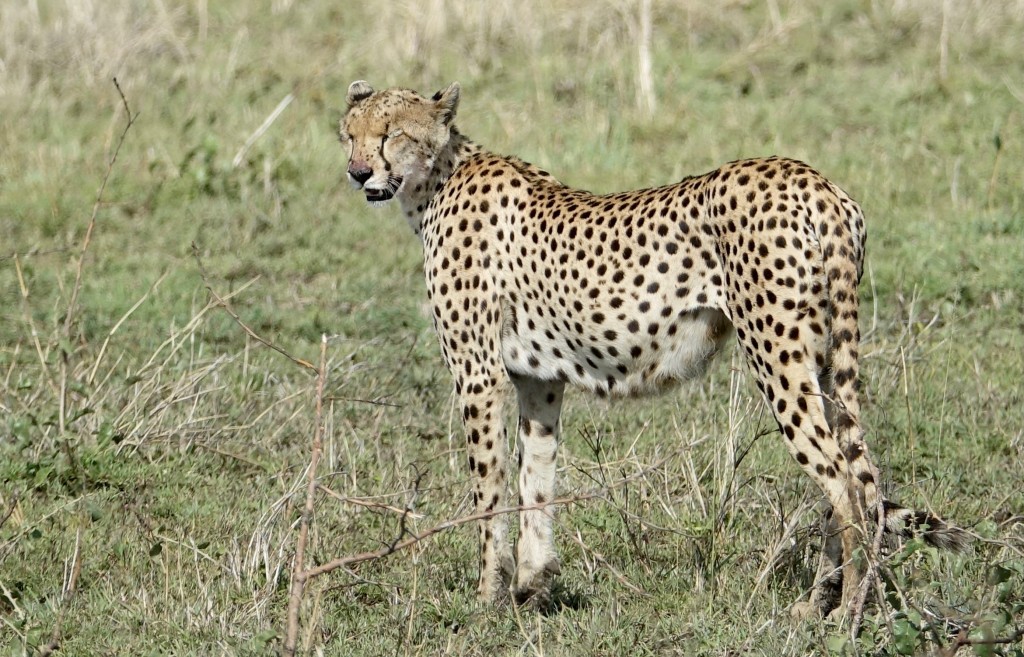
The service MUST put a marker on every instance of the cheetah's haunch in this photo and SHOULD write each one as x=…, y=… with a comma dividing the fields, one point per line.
x=534, y=285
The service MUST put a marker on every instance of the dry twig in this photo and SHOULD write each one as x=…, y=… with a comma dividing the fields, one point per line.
x=871, y=574
x=358, y=501
x=399, y=545
x=223, y=303
x=299, y=575
x=69, y=317
x=10, y=509
x=964, y=639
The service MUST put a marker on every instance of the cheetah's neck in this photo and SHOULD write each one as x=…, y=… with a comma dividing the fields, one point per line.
x=414, y=202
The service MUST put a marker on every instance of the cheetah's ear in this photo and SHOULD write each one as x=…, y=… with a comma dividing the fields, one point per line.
x=357, y=91
x=447, y=101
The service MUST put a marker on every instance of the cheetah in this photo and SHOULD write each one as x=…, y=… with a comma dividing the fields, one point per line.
x=533, y=285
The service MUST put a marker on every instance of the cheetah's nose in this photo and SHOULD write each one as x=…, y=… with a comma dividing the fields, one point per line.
x=360, y=174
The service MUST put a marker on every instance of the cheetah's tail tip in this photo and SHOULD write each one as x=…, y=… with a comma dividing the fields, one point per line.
x=910, y=523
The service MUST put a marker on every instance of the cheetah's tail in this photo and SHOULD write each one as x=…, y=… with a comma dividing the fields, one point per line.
x=911, y=523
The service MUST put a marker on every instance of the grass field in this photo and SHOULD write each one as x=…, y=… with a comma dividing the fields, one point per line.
x=155, y=454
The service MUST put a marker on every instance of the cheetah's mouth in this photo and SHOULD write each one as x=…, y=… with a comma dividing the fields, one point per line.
x=378, y=195
x=385, y=194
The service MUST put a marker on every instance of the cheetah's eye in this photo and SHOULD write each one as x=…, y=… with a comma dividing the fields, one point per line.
x=394, y=134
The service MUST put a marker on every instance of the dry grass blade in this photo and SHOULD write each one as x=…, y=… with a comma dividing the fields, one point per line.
x=26, y=311
x=240, y=155
x=600, y=558
x=124, y=318
x=790, y=526
x=69, y=591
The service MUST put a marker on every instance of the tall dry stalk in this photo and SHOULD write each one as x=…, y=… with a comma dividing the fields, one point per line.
x=299, y=574
x=72, y=310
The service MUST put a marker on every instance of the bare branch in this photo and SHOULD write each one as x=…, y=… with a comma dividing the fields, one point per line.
x=397, y=546
x=70, y=316
x=964, y=639
x=299, y=575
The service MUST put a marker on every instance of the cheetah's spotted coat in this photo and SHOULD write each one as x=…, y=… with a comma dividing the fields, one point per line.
x=534, y=285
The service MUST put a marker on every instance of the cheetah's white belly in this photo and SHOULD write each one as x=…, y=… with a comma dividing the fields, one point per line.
x=631, y=363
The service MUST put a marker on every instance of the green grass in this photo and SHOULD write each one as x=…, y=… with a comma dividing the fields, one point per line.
x=179, y=471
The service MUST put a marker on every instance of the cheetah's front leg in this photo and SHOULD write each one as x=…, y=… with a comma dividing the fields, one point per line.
x=540, y=403
x=486, y=447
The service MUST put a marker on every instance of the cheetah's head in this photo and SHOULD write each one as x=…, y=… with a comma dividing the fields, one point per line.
x=394, y=136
